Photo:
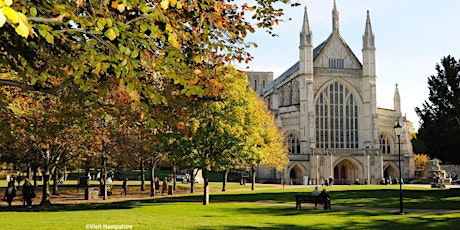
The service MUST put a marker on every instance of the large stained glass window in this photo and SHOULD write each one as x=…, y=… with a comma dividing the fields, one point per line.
x=336, y=118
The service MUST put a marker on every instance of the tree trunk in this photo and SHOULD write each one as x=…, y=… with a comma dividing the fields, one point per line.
x=142, y=175
x=224, y=181
x=35, y=177
x=55, y=181
x=29, y=171
x=104, y=176
x=206, y=187
x=46, y=187
x=174, y=177
x=253, y=182
x=192, y=182
x=152, y=183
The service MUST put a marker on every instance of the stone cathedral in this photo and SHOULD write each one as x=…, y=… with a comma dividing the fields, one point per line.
x=326, y=104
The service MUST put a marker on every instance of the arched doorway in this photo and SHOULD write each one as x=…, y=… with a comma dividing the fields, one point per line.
x=347, y=171
x=295, y=175
x=390, y=173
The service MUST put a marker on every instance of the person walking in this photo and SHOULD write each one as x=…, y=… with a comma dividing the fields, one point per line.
x=10, y=193
x=165, y=186
x=157, y=185
x=28, y=193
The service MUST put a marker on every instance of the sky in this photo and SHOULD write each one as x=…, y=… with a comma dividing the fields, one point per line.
x=411, y=37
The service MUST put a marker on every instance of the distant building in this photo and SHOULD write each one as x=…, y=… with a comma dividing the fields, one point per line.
x=326, y=104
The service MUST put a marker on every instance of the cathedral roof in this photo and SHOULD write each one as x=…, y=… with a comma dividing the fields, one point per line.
x=294, y=68
x=334, y=40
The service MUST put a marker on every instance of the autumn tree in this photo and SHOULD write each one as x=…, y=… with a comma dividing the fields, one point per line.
x=221, y=132
x=440, y=115
x=49, y=46
x=49, y=130
x=264, y=139
x=421, y=161
x=84, y=42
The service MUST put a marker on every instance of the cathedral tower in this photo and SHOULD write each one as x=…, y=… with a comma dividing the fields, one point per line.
x=306, y=84
x=369, y=86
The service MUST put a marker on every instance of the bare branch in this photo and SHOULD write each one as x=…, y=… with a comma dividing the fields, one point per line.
x=26, y=87
x=59, y=18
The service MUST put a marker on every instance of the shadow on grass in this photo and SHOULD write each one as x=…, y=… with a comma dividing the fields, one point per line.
x=319, y=219
x=382, y=198
x=79, y=207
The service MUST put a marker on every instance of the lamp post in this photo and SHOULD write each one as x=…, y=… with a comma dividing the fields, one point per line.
x=398, y=130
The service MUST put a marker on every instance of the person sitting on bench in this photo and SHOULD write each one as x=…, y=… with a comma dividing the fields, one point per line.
x=315, y=192
x=326, y=199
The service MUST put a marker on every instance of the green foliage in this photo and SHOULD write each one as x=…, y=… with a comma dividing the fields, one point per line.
x=417, y=144
x=116, y=64
x=440, y=116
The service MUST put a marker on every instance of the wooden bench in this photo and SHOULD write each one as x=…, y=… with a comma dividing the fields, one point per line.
x=299, y=199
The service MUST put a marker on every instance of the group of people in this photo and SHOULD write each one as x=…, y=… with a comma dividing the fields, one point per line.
x=164, y=186
x=325, y=197
x=327, y=182
x=28, y=193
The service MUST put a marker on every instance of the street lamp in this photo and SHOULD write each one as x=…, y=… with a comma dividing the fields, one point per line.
x=398, y=131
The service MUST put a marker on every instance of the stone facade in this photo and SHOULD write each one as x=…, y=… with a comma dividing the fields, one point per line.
x=326, y=104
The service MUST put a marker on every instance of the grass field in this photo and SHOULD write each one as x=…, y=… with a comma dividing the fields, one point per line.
x=268, y=207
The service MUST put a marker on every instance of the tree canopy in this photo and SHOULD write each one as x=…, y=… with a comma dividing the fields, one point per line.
x=233, y=129
x=97, y=72
x=48, y=44
x=440, y=115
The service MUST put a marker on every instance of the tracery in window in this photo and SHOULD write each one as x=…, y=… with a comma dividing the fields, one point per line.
x=384, y=144
x=295, y=92
x=293, y=143
x=336, y=63
x=287, y=94
x=336, y=118
x=281, y=96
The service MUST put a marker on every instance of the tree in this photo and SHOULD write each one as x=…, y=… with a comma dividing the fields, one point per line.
x=84, y=42
x=440, y=115
x=49, y=129
x=417, y=144
x=264, y=139
x=421, y=160
x=221, y=132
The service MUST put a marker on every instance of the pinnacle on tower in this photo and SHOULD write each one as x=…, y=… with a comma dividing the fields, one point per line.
x=397, y=100
x=368, y=37
x=305, y=35
x=335, y=18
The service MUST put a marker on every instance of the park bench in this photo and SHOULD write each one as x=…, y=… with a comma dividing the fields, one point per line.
x=299, y=199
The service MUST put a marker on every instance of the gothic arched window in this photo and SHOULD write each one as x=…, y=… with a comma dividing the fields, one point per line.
x=287, y=94
x=293, y=143
x=295, y=93
x=336, y=118
x=384, y=144
x=281, y=97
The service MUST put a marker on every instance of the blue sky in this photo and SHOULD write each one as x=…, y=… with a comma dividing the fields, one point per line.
x=411, y=37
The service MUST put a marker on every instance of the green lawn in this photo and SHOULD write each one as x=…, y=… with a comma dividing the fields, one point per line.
x=265, y=208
